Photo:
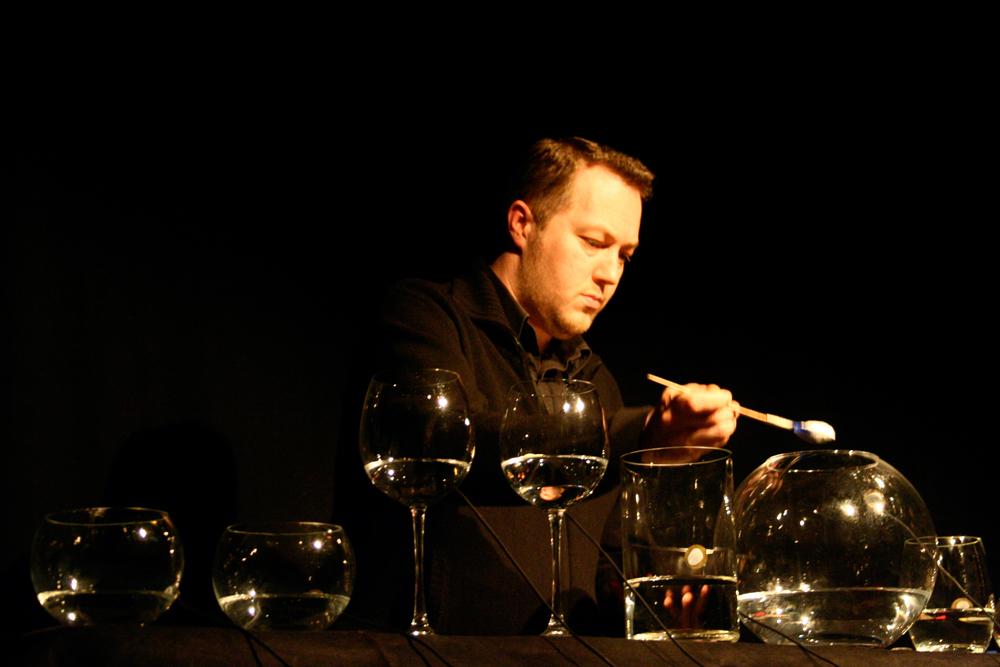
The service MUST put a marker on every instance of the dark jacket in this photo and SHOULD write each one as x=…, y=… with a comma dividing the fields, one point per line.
x=472, y=326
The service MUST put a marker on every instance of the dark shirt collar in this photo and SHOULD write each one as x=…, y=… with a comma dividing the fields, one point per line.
x=515, y=315
x=562, y=357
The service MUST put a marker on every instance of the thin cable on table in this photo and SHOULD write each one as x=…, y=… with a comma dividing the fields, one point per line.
x=249, y=636
x=252, y=639
x=524, y=576
x=805, y=649
x=253, y=650
x=621, y=575
x=410, y=639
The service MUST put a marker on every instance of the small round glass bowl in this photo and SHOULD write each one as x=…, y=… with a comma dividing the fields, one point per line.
x=107, y=565
x=283, y=576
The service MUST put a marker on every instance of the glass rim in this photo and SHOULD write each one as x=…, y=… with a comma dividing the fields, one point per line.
x=795, y=457
x=284, y=528
x=586, y=386
x=400, y=375
x=945, y=541
x=721, y=455
x=92, y=516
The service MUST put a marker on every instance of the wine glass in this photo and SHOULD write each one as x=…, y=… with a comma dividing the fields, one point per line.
x=554, y=451
x=106, y=565
x=416, y=446
x=291, y=575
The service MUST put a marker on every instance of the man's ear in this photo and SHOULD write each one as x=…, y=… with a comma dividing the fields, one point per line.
x=519, y=220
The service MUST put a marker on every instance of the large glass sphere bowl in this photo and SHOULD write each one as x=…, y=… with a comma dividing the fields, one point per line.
x=820, y=539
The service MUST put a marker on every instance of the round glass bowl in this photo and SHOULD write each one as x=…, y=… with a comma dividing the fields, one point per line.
x=283, y=576
x=106, y=565
x=820, y=538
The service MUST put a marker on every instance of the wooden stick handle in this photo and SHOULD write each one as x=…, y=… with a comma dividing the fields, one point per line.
x=774, y=420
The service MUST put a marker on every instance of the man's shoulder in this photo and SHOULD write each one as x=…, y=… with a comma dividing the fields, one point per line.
x=472, y=293
x=418, y=287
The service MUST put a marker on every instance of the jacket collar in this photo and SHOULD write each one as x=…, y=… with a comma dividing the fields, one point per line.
x=487, y=299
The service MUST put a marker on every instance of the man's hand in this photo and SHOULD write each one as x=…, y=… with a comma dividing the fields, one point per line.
x=705, y=416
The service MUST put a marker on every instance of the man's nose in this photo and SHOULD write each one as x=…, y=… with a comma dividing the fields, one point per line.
x=608, y=270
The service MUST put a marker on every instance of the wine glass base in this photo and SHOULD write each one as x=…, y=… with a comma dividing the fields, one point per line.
x=420, y=630
x=556, y=629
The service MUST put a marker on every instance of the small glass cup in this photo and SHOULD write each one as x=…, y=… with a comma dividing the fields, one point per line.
x=107, y=565
x=957, y=615
x=283, y=575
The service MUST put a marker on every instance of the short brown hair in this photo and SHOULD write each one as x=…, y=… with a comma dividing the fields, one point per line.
x=547, y=175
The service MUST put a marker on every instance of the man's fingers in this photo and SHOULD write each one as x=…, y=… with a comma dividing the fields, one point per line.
x=699, y=399
x=700, y=416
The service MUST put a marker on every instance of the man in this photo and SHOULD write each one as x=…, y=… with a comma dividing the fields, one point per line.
x=572, y=227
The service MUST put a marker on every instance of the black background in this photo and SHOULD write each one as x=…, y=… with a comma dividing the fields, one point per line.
x=198, y=208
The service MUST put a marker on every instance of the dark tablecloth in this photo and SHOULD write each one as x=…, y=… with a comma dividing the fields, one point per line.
x=210, y=647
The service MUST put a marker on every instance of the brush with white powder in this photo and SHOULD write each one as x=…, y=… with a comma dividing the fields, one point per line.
x=816, y=432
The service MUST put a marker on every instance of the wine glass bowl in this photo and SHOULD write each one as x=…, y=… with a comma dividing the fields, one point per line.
x=106, y=565
x=416, y=447
x=554, y=451
x=283, y=575
x=416, y=442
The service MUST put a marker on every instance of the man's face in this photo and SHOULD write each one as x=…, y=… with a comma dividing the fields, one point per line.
x=571, y=265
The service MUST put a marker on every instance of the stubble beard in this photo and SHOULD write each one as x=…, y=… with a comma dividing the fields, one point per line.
x=547, y=310
x=577, y=325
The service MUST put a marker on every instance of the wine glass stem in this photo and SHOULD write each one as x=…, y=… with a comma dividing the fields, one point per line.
x=556, y=626
x=419, y=625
